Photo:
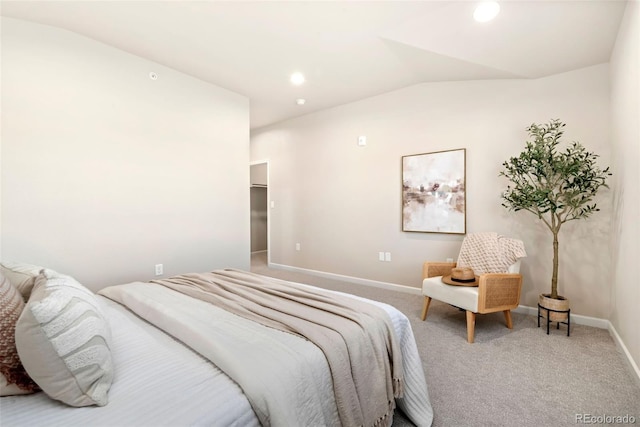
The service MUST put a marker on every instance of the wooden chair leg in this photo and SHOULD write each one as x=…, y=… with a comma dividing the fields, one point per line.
x=471, y=325
x=425, y=307
x=507, y=317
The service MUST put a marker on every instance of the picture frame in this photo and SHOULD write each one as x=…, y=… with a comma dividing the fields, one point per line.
x=434, y=192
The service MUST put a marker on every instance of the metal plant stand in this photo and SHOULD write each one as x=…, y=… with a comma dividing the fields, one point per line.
x=568, y=322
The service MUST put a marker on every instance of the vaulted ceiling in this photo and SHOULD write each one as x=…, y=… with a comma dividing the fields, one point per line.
x=347, y=50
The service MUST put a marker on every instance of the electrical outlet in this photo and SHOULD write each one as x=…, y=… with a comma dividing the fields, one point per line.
x=159, y=269
x=380, y=256
x=449, y=259
x=297, y=246
x=387, y=256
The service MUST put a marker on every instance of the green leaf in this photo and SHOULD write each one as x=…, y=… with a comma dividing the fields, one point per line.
x=547, y=179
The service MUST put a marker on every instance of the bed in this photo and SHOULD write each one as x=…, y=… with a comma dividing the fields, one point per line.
x=173, y=356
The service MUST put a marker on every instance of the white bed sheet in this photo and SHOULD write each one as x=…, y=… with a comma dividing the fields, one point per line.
x=160, y=382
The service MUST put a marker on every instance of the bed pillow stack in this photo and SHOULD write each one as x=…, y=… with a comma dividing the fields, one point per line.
x=63, y=340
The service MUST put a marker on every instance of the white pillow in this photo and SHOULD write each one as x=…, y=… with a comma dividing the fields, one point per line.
x=21, y=275
x=13, y=378
x=64, y=341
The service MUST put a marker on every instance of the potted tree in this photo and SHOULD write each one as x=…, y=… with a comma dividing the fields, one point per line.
x=557, y=185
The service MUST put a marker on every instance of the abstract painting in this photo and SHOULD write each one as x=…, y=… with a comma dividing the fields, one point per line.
x=433, y=192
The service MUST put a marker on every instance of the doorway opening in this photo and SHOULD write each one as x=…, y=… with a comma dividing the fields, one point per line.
x=259, y=193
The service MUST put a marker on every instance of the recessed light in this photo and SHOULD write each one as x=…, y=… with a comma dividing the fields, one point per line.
x=486, y=11
x=300, y=101
x=297, y=78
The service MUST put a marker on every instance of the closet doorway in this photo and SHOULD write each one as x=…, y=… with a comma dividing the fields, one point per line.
x=259, y=191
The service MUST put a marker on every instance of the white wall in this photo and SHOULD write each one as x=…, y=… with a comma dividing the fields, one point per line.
x=106, y=173
x=625, y=111
x=342, y=202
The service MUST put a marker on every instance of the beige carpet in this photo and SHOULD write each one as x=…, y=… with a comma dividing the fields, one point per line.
x=518, y=377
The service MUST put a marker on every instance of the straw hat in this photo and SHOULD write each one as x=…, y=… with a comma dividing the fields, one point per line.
x=461, y=277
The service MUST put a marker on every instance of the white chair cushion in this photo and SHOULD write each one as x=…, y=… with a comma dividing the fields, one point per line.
x=514, y=268
x=465, y=297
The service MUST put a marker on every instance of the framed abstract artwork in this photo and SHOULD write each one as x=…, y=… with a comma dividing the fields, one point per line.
x=433, y=192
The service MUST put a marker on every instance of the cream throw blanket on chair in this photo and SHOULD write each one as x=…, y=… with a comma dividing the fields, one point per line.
x=489, y=252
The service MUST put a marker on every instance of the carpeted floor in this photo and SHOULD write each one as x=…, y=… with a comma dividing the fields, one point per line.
x=518, y=377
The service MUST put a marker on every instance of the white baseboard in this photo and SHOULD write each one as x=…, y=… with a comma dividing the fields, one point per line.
x=350, y=279
x=575, y=318
x=620, y=344
x=522, y=309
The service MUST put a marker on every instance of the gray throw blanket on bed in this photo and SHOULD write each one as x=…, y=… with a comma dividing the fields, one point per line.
x=357, y=338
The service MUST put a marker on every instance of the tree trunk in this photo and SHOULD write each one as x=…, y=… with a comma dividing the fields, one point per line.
x=554, y=277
